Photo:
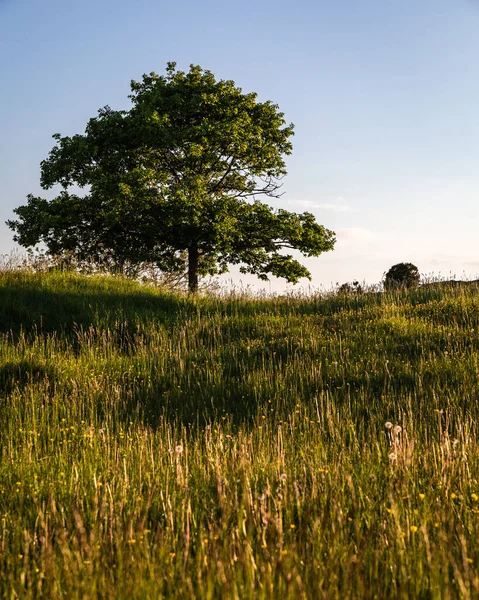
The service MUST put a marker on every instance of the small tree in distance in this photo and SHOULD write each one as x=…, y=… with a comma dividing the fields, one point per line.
x=176, y=181
x=402, y=275
x=350, y=288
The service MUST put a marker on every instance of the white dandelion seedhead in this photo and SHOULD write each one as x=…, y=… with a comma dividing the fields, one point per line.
x=397, y=429
x=283, y=477
x=179, y=449
x=393, y=457
x=388, y=425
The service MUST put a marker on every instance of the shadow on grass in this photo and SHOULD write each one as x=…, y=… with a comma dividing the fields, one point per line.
x=29, y=307
x=19, y=374
x=194, y=406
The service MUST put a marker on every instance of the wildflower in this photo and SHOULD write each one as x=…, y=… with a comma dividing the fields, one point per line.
x=388, y=425
x=397, y=429
x=413, y=528
x=453, y=496
x=422, y=496
x=474, y=497
x=179, y=449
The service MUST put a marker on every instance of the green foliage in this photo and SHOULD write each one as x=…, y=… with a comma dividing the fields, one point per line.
x=402, y=275
x=160, y=445
x=175, y=181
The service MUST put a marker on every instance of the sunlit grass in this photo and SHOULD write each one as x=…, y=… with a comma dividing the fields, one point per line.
x=155, y=445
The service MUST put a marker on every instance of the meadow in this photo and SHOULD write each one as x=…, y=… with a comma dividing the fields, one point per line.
x=160, y=445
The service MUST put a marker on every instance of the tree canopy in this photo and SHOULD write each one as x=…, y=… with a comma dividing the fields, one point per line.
x=402, y=275
x=176, y=181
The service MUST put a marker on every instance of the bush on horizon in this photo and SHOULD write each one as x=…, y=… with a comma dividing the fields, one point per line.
x=402, y=275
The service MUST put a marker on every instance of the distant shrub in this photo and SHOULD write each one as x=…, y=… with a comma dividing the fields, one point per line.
x=402, y=275
x=350, y=288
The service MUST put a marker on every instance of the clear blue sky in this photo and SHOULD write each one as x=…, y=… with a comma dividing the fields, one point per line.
x=384, y=96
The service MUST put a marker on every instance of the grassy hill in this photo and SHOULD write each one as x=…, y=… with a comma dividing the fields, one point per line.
x=155, y=445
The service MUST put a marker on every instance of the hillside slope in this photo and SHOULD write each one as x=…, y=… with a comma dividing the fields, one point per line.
x=159, y=445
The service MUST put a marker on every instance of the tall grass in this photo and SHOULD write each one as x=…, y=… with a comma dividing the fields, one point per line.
x=155, y=445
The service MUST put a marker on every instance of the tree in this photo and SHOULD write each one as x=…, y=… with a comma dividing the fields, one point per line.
x=175, y=181
x=402, y=275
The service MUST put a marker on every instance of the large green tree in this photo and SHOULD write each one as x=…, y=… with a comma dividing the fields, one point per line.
x=176, y=181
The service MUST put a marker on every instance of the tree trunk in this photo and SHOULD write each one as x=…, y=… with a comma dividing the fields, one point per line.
x=193, y=255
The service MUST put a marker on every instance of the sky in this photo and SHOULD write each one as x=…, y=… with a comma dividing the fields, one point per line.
x=384, y=96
